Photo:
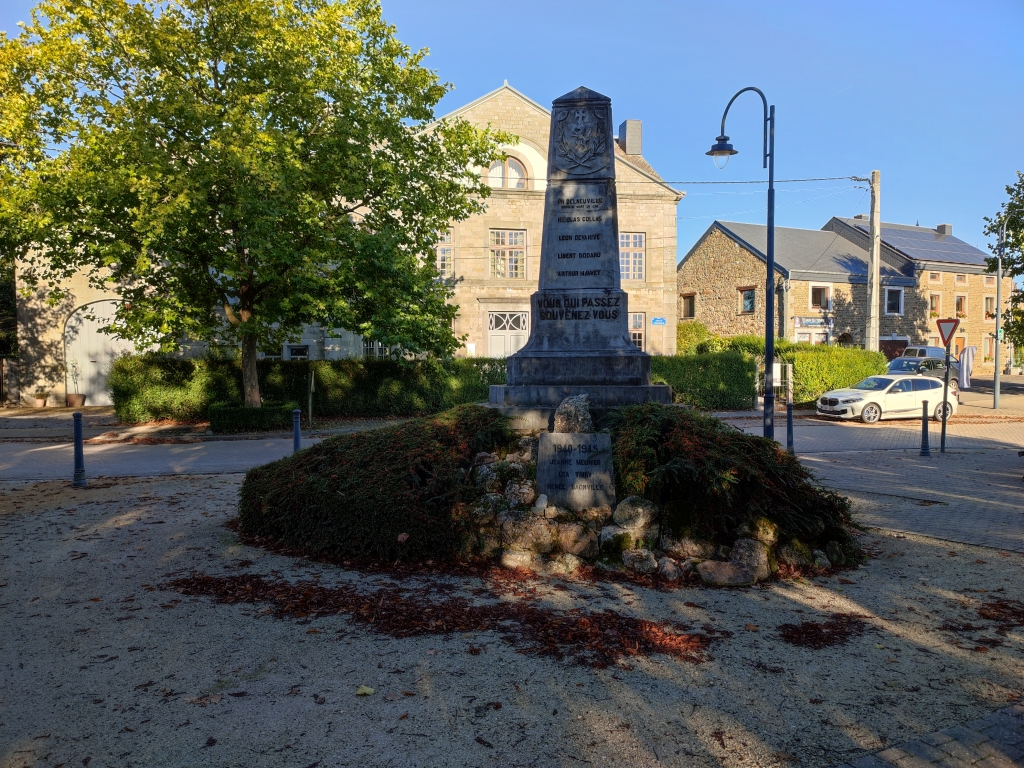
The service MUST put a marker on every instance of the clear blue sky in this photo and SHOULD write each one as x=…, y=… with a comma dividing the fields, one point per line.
x=929, y=93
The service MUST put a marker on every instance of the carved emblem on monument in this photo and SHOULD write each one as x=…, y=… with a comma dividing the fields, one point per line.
x=580, y=140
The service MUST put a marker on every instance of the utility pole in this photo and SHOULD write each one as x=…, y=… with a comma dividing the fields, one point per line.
x=874, y=289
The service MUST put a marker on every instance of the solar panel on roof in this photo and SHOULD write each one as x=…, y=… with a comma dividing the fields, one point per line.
x=930, y=246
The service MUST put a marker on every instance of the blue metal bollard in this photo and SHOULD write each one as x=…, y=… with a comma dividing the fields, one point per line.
x=925, y=449
x=790, y=445
x=296, y=430
x=78, y=479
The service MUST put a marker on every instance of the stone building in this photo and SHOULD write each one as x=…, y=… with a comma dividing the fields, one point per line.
x=494, y=258
x=821, y=285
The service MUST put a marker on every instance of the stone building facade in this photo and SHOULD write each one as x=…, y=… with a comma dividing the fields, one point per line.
x=821, y=285
x=494, y=258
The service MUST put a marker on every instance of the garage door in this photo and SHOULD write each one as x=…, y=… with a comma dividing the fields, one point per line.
x=507, y=332
x=92, y=350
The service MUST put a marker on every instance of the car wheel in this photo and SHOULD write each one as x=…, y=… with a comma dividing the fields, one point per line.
x=870, y=414
x=953, y=387
x=938, y=411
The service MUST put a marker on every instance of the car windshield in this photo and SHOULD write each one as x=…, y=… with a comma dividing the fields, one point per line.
x=904, y=364
x=873, y=383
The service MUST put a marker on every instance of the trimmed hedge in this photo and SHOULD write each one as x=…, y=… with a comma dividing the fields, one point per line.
x=228, y=419
x=823, y=368
x=355, y=495
x=690, y=333
x=713, y=480
x=152, y=387
x=719, y=381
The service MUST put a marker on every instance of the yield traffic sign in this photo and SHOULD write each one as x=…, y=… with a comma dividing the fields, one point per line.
x=947, y=328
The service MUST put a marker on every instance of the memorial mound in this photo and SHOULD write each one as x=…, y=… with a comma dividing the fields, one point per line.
x=699, y=500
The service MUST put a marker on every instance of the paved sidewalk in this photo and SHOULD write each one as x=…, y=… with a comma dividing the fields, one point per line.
x=994, y=741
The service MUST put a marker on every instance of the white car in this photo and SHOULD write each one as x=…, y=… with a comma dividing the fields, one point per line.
x=887, y=397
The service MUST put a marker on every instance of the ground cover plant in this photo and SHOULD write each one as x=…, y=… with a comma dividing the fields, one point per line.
x=396, y=493
x=713, y=481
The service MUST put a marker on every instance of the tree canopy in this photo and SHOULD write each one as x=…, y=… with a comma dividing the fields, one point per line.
x=236, y=168
x=1012, y=213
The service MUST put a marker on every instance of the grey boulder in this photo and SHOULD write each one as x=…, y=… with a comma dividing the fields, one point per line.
x=751, y=554
x=668, y=569
x=715, y=573
x=573, y=415
x=531, y=534
x=635, y=513
x=821, y=559
x=520, y=493
x=577, y=539
x=639, y=560
x=686, y=547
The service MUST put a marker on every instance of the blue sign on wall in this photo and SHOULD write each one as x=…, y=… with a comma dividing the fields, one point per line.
x=658, y=321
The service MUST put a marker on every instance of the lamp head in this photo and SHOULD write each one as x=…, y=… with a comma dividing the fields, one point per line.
x=721, y=151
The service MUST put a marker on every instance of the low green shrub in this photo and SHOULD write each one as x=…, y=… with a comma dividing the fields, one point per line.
x=356, y=495
x=230, y=419
x=711, y=345
x=711, y=479
x=822, y=368
x=718, y=381
x=151, y=387
x=690, y=333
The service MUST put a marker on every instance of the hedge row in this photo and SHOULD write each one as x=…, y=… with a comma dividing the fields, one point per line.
x=228, y=419
x=152, y=387
x=720, y=381
x=823, y=368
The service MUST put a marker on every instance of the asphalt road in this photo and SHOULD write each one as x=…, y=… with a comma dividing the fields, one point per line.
x=52, y=461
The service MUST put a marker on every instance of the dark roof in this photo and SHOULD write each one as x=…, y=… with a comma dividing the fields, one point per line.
x=581, y=94
x=924, y=244
x=811, y=254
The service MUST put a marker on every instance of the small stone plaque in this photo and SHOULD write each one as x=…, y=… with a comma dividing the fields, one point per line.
x=575, y=469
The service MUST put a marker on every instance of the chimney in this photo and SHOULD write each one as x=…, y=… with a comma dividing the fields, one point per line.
x=863, y=216
x=630, y=137
x=944, y=229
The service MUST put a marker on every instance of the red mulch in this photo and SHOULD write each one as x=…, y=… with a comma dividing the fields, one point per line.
x=822, y=634
x=596, y=639
x=1007, y=614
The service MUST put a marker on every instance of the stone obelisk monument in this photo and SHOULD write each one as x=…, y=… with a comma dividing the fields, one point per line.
x=579, y=336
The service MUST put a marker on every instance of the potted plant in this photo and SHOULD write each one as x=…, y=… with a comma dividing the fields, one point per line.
x=75, y=400
x=40, y=398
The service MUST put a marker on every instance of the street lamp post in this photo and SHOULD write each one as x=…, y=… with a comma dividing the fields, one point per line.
x=999, y=311
x=722, y=150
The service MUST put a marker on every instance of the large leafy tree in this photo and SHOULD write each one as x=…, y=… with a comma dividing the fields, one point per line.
x=1012, y=213
x=236, y=168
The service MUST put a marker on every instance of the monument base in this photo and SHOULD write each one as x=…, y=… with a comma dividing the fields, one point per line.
x=601, y=396
x=626, y=367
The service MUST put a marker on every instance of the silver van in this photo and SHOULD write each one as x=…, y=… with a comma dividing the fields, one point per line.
x=925, y=352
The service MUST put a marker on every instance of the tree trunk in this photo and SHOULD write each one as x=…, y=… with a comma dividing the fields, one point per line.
x=250, y=379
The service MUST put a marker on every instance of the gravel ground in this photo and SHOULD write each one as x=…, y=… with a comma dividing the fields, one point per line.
x=101, y=666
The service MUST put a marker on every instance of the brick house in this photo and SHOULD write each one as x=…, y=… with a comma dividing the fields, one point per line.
x=494, y=258
x=821, y=285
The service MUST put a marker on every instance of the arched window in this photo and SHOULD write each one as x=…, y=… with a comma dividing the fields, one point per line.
x=507, y=174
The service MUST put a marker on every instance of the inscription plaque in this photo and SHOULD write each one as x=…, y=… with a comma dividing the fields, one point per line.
x=575, y=469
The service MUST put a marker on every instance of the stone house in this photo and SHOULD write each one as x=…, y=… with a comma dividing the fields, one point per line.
x=493, y=260
x=821, y=285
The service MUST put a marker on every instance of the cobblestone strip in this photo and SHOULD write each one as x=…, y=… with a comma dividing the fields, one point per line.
x=994, y=741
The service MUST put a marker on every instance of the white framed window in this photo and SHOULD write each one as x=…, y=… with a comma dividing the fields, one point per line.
x=508, y=253
x=960, y=305
x=631, y=255
x=894, y=301
x=990, y=281
x=445, y=254
x=636, y=328
x=689, y=305
x=934, y=277
x=507, y=174
x=747, y=298
x=374, y=349
x=821, y=297
x=934, y=341
x=935, y=305
x=990, y=308
x=298, y=352
x=960, y=280
x=990, y=348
